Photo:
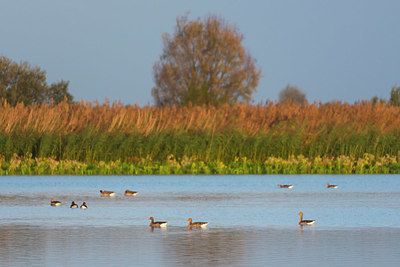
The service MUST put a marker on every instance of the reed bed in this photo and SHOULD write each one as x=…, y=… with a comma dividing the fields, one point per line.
x=313, y=118
x=90, y=132
x=368, y=164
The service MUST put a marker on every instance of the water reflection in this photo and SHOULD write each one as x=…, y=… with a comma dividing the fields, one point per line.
x=20, y=244
x=202, y=247
x=157, y=228
x=190, y=228
x=175, y=246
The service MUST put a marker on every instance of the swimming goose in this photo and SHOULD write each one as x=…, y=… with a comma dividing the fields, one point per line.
x=129, y=193
x=196, y=224
x=331, y=186
x=83, y=206
x=285, y=185
x=73, y=205
x=305, y=222
x=55, y=203
x=157, y=224
x=106, y=193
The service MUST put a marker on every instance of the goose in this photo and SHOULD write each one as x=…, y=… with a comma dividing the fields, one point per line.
x=129, y=193
x=196, y=224
x=106, y=193
x=73, y=205
x=331, y=186
x=305, y=222
x=84, y=206
x=157, y=224
x=55, y=203
x=285, y=185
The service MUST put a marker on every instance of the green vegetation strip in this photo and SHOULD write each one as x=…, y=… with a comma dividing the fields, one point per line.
x=368, y=164
x=88, y=147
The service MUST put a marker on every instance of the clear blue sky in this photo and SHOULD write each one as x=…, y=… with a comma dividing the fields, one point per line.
x=344, y=50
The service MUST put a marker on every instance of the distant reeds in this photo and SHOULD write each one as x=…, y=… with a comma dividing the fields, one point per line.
x=250, y=120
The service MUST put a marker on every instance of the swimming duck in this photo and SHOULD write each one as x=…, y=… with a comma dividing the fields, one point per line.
x=305, y=222
x=285, y=185
x=157, y=224
x=196, y=224
x=129, y=193
x=55, y=203
x=331, y=186
x=73, y=205
x=84, y=206
x=106, y=193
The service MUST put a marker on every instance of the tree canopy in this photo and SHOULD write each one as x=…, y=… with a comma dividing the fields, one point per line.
x=25, y=83
x=204, y=62
x=395, y=96
x=292, y=93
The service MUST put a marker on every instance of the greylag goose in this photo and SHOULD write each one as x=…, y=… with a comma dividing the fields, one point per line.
x=331, y=186
x=285, y=185
x=196, y=224
x=55, y=203
x=157, y=224
x=305, y=222
x=106, y=193
x=129, y=193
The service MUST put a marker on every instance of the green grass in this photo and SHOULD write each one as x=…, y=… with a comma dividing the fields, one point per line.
x=225, y=146
x=368, y=164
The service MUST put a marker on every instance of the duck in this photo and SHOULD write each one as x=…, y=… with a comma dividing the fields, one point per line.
x=305, y=222
x=106, y=193
x=83, y=206
x=285, y=185
x=157, y=224
x=55, y=203
x=73, y=205
x=331, y=186
x=196, y=224
x=129, y=193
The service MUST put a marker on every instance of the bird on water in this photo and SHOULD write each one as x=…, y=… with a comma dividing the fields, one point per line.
x=305, y=222
x=196, y=224
x=332, y=186
x=285, y=186
x=129, y=193
x=157, y=224
x=106, y=193
x=55, y=203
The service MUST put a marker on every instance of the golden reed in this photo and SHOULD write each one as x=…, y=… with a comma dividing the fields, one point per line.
x=250, y=120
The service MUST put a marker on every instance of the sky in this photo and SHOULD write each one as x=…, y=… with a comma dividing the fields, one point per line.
x=342, y=50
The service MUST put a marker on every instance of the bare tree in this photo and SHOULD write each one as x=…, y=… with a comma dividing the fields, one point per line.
x=292, y=93
x=204, y=62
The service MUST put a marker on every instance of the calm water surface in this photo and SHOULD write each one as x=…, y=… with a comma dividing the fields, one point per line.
x=252, y=221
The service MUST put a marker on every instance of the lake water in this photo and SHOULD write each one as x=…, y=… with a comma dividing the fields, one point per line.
x=252, y=222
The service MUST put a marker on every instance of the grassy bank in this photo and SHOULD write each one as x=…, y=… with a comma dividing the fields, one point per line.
x=88, y=132
x=89, y=146
x=368, y=164
x=86, y=138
